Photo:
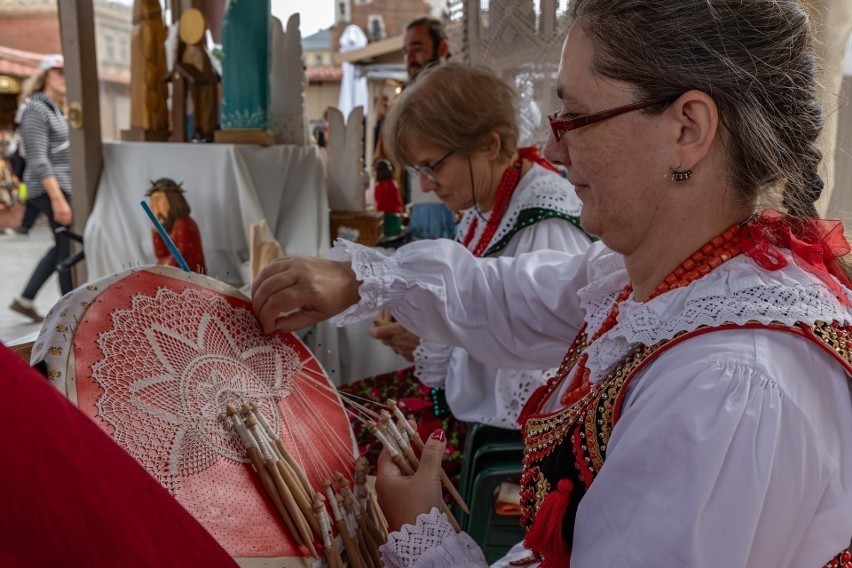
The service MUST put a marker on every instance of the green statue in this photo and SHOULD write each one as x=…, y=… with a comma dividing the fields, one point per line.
x=245, y=65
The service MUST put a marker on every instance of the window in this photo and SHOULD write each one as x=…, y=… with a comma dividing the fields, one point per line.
x=124, y=50
x=110, y=48
x=318, y=59
x=376, y=27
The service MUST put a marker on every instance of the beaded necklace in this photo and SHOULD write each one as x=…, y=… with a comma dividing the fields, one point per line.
x=508, y=183
x=712, y=254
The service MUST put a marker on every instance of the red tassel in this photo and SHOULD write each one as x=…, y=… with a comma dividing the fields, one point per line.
x=545, y=535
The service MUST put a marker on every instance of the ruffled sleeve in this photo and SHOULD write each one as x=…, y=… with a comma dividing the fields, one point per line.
x=431, y=543
x=513, y=312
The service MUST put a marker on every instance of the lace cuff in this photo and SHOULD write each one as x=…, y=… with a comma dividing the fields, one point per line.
x=377, y=273
x=431, y=543
x=431, y=361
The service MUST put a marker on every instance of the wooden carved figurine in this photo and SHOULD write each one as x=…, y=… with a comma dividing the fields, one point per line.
x=169, y=205
x=204, y=85
x=149, y=113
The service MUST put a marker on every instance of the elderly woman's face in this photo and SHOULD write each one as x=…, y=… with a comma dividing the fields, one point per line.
x=616, y=165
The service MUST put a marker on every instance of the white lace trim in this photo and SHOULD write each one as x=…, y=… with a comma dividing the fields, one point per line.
x=377, y=274
x=610, y=278
x=538, y=189
x=431, y=362
x=737, y=292
x=512, y=389
x=431, y=541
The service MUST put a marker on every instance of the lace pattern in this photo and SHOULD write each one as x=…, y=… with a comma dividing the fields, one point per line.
x=431, y=361
x=512, y=390
x=191, y=353
x=430, y=542
x=55, y=341
x=737, y=292
x=597, y=299
x=538, y=189
x=377, y=273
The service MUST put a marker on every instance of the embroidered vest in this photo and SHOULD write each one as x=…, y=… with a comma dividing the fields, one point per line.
x=571, y=443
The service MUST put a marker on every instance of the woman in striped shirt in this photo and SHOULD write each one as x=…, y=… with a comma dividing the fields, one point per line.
x=44, y=135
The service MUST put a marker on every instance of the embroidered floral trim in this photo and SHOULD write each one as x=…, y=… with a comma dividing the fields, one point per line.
x=377, y=272
x=55, y=343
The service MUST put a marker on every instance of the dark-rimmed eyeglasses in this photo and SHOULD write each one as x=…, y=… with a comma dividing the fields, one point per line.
x=429, y=171
x=563, y=124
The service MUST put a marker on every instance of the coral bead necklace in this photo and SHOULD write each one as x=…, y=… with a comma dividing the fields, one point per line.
x=712, y=254
x=508, y=183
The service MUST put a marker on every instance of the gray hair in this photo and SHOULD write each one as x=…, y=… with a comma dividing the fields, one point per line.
x=754, y=58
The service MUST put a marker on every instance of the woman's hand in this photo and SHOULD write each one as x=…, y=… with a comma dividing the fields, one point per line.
x=403, y=497
x=61, y=210
x=392, y=334
x=294, y=292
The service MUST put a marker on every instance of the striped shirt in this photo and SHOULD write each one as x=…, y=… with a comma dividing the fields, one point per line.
x=44, y=134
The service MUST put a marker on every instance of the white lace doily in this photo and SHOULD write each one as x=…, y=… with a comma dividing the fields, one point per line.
x=171, y=364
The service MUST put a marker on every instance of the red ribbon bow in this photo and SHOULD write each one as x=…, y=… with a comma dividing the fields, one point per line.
x=816, y=244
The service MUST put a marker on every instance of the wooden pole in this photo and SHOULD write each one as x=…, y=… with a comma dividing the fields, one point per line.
x=77, y=26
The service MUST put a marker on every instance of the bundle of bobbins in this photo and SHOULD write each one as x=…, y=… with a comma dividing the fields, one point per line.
x=398, y=439
x=344, y=521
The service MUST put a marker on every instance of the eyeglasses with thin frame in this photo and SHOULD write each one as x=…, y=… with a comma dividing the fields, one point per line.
x=561, y=125
x=429, y=171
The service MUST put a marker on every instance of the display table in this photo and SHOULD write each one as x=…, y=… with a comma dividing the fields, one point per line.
x=228, y=187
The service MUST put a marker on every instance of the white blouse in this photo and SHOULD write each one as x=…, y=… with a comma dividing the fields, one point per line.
x=733, y=448
x=478, y=391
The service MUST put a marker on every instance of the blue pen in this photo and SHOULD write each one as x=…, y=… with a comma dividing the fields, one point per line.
x=166, y=238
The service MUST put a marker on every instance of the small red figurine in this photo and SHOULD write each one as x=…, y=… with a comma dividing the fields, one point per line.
x=388, y=200
x=169, y=205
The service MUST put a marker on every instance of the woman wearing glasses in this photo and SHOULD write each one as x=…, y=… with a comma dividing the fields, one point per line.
x=513, y=201
x=701, y=415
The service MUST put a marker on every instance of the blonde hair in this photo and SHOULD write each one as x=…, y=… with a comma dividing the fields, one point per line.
x=452, y=106
x=33, y=84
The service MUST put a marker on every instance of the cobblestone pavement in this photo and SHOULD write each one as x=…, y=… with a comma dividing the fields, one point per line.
x=18, y=257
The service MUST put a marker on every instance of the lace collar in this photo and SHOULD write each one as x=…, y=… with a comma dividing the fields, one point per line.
x=538, y=189
x=737, y=292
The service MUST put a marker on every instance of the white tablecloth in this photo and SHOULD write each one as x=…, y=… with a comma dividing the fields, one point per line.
x=228, y=187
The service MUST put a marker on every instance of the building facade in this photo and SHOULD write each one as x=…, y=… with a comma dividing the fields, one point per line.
x=29, y=29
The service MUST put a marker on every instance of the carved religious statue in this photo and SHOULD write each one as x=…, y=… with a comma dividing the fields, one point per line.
x=172, y=210
x=149, y=113
x=245, y=73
